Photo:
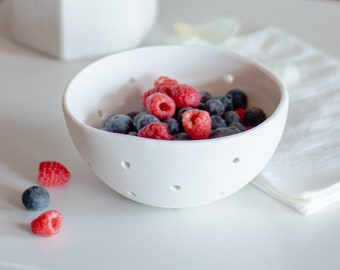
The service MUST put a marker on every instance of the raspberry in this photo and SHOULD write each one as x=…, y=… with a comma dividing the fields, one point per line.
x=197, y=124
x=164, y=80
x=52, y=173
x=240, y=113
x=156, y=130
x=165, y=89
x=185, y=96
x=160, y=105
x=47, y=224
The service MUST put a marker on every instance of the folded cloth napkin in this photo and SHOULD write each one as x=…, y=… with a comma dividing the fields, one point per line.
x=304, y=172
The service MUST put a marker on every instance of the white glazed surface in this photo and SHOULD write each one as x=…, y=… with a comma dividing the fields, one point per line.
x=82, y=28
x=172, y=174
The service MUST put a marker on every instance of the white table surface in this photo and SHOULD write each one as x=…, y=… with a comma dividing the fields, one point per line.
x=103, y=230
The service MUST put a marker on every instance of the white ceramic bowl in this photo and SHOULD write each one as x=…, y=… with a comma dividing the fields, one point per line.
x=172, y=174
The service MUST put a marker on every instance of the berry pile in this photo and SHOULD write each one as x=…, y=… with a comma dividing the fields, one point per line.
x=35, y=198
x=177, y=111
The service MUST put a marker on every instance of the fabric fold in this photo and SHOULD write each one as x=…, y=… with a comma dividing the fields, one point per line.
x=304, y=172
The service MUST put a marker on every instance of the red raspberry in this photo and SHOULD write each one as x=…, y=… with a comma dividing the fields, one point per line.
x=164, y=80
x=155, y=130
x=160, y=105
x=47, y=224
x=240, y=113
x=165, y=89
x=197, y=124
x=185, y=96
x=52, y=173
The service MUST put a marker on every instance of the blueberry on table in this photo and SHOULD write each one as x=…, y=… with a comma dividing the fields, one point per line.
x=238, y=98
x=119, y=123
x=35, y=198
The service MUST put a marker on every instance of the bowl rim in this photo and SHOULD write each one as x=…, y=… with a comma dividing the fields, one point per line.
x=281, y=106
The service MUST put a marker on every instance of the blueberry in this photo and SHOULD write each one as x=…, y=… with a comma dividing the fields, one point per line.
x=205, y=95
x=172, y=125
x=145, y=119
x=137, y=116
x=214, y=106
x=222, y=132
x=238, y=125
x=179, y=114
x=231, y=117
x=228, y=106
x=35, y=198
x=119, y=123
x=254, y=116
x=181, y=136
x=217, y=122
x=238, y=98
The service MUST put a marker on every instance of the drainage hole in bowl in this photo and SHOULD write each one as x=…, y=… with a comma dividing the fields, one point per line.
x=131, y=193
x=126, y=165
x=220, y=195
x=100, y=113
x=228, y=78
x=175, y=188
x=236, y=160
x=132, y=80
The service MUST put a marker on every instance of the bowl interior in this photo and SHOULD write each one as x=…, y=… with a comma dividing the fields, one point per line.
x=114, y=84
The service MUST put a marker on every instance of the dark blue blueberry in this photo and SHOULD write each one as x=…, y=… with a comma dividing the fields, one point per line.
x=179, y=114
x=254, y=116
x=238, y=125
x=132, y=114
x=137, y=116
x=182, y=136
x=214, y=106
x=205, y=95
x=145, y=119
x=231, y=117
x=222, y=132
x=238, y=98
x=119, y=123
x=217, y=122
x=172, y=125
x=35, y=198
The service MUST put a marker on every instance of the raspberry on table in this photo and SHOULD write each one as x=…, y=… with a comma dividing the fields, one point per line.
x=160, y=105
x=48, y=223
x=185, y=96
x=53, y=173
x=156, y=130
x=35, y=198
x=197, y=124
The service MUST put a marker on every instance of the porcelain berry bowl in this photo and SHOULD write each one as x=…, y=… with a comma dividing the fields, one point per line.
x=172, y=174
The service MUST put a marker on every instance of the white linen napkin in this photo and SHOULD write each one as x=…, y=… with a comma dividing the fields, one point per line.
x=304, y=172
